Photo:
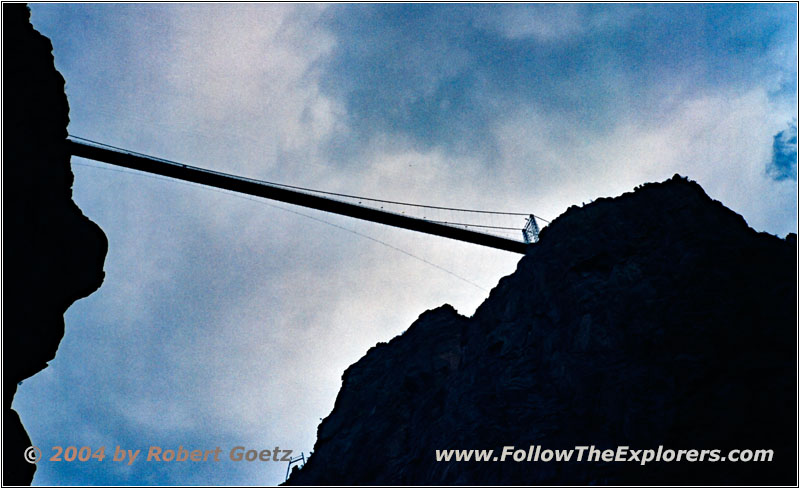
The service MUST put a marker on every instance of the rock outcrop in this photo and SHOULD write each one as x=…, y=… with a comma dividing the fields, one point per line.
x=52, y=254
x=657, y=318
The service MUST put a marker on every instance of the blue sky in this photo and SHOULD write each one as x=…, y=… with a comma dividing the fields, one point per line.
x=225, y=321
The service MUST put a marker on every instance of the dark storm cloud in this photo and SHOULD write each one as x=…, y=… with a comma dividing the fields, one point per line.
x=438, y=74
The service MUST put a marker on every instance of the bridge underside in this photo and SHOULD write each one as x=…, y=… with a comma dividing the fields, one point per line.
x=260, y=189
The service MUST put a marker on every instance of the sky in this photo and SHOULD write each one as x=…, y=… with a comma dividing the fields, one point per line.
x=227, y=321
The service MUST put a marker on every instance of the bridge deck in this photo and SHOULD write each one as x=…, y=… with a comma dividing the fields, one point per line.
x=260, y=189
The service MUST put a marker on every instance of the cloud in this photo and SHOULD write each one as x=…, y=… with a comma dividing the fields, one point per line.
x=721, y=141
x=784, y=154
x=551, y=23
x=440, y=75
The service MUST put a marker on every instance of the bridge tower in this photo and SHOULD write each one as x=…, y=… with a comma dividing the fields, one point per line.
x=530, y=233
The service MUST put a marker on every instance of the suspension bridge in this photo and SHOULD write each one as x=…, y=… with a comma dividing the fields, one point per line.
x=492, y=236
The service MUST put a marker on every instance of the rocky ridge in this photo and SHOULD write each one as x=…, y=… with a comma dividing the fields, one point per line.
x=52, y=254
x=657, y=318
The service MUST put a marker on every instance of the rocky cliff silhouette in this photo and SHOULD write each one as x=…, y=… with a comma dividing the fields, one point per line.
x=52, y=254
x=657, y=318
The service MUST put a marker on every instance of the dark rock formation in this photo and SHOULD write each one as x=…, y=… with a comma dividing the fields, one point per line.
x=655, y=318
x=52, y=254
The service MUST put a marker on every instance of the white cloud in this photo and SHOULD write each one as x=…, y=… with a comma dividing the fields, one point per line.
x=722, y=140
x=542, y=22
x=549, y=23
